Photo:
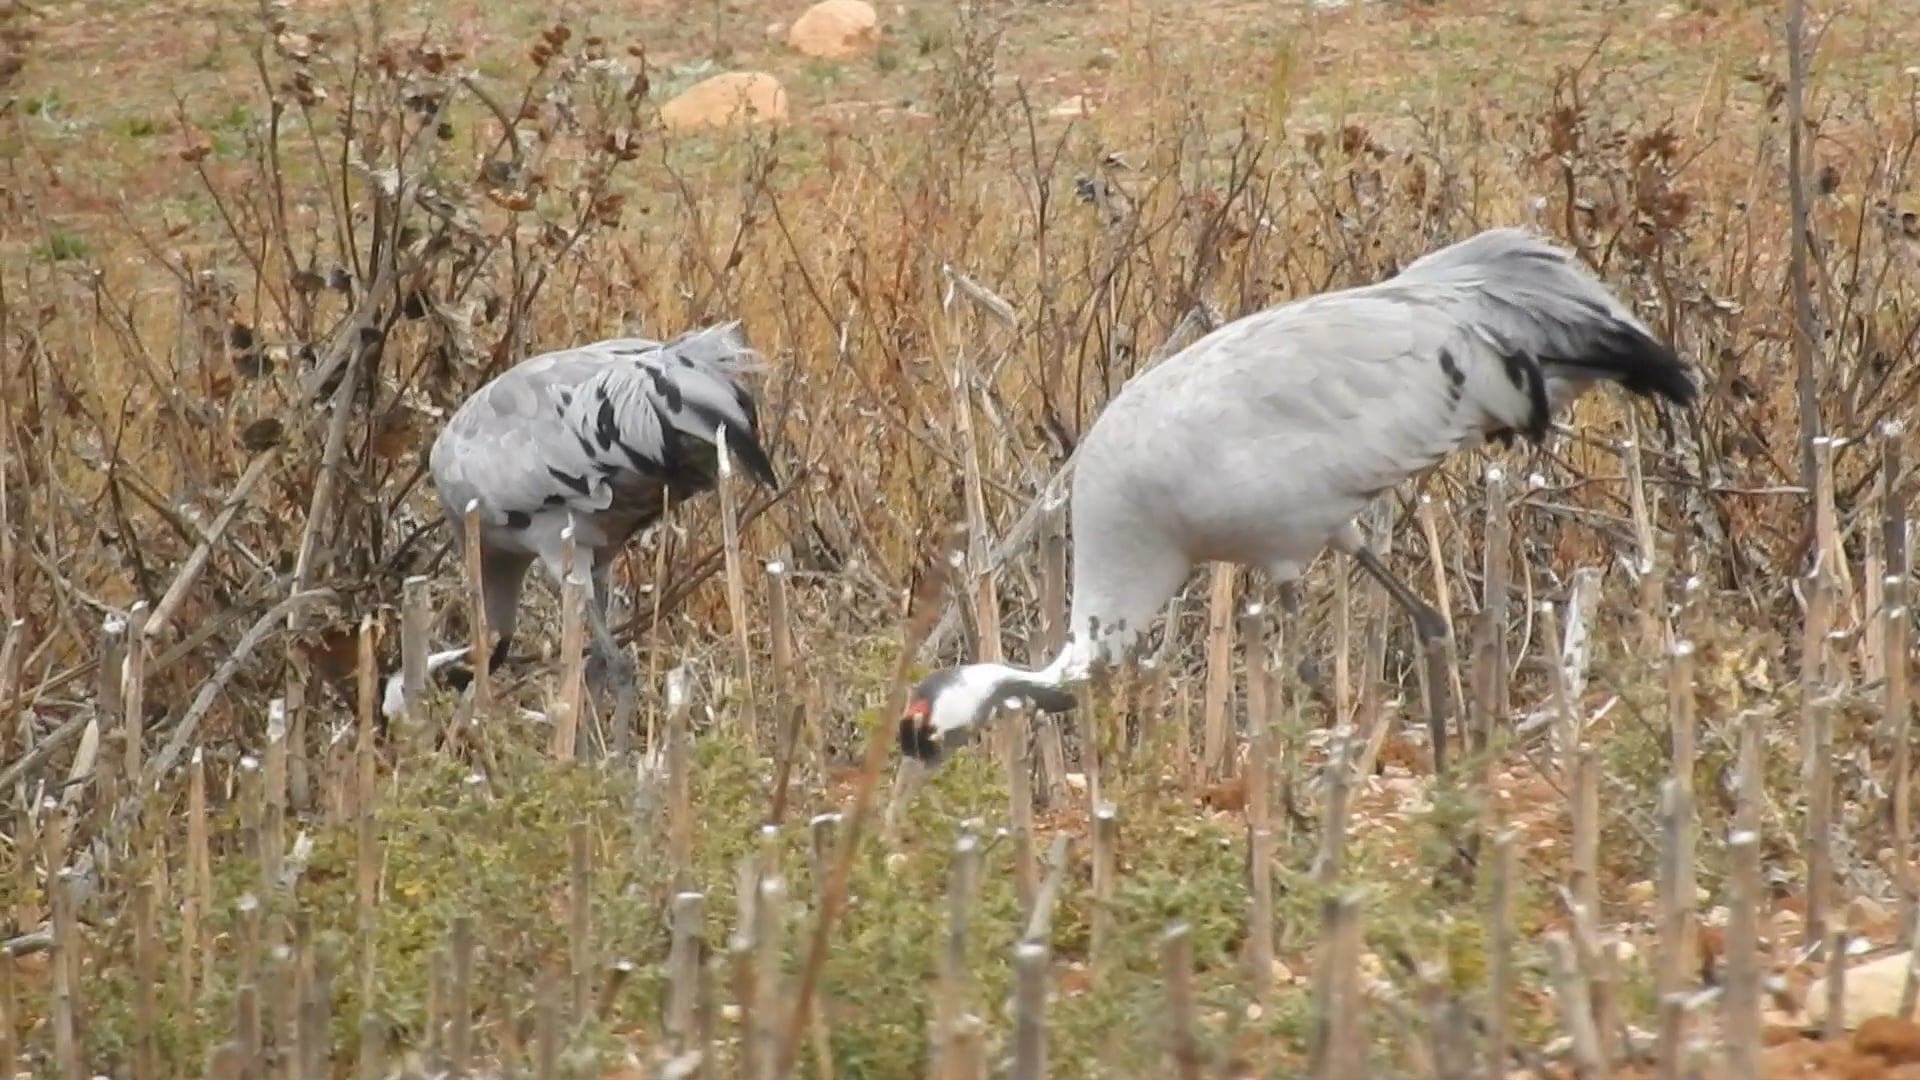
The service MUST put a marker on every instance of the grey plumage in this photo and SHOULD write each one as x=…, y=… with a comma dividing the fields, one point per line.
x=1262, y=442
x=600, y=437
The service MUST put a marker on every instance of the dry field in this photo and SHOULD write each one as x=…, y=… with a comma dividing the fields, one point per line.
x=253, y=256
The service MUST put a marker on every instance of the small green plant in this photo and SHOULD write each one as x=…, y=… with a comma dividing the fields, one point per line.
x=61, y=245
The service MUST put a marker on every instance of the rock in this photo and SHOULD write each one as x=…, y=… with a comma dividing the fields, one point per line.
x=1868, y=916
x=1898, y=1041
x=1872, y=989
x=725, y=100
x=835, y=29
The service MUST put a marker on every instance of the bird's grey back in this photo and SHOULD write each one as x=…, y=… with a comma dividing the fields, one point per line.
x=1272, y=429
x=610, y=422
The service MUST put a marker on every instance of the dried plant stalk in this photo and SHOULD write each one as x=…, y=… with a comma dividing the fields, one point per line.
x=64, y=995
x=1576, y=1008
x=820, y=845
x=1478, y=735
x=1910, y=990
x=415, y=619
x=952, y=997
x=1740, y=1003
x=1106, y=861
x=316, y=1018
x=679, y=780
x=779, y=631
x=746, y=1003
x=146, y=961
x=134, y=692
x=113, y=632
x=1585, y=809
x=373, y=1045
x=9, y=1008
x=1819, y=836
x=1500, y=983
x=247, y=950
x=1497, y=571
x=199, y=883
x=1331, y=857
x=1216, y=760
x=1029, y=1011
x=1813, y=651
x=1831, y=558
x=565, y=713
x=546, y=1038
x=687, y=915
x=247, y=1036
x=1020, y=807
x=736, y=589
x=1092, y=743
x=1676, y=875
x=1600, y=973
x=965, y=1055
x=769, y=911
x=1566, y=723
x=580, y=917
x=1897, y=725
x=1682, y=723
x=1438, y=661
x=1834, y=1024
x=1176, y=966
x=460, y=1042
x=1338, y=1051
x=1040, y=919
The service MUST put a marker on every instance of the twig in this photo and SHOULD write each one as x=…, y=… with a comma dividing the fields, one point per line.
x=209, y=690
x=189, y=573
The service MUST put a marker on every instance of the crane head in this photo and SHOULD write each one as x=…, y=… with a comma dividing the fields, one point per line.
x=947, y=706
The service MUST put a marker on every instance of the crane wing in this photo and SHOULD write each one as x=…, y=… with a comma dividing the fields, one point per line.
x=1329, y=400
x=563, y=429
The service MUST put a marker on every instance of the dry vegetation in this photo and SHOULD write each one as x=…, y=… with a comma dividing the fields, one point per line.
x=252, y=257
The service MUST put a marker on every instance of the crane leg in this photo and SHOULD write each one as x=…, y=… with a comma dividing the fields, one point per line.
x=609, y=667
x=1431, y=627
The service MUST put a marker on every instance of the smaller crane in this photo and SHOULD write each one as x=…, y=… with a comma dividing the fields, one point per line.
x=598, y=437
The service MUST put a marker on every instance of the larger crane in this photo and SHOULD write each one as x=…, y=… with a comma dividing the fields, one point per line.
x=1262, y=442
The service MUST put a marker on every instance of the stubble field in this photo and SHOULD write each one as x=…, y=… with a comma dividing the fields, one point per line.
x=253, y=256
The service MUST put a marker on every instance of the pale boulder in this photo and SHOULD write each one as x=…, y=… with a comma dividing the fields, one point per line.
x=727, y=99
x=1872, y=989
x=835, y=29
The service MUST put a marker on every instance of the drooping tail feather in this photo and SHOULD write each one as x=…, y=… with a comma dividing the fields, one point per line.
x=1537, y=296
x=1640, y=363
x=724, y=350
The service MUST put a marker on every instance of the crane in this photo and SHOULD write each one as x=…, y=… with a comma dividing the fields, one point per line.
x=597, y=437
x=1261, y=443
